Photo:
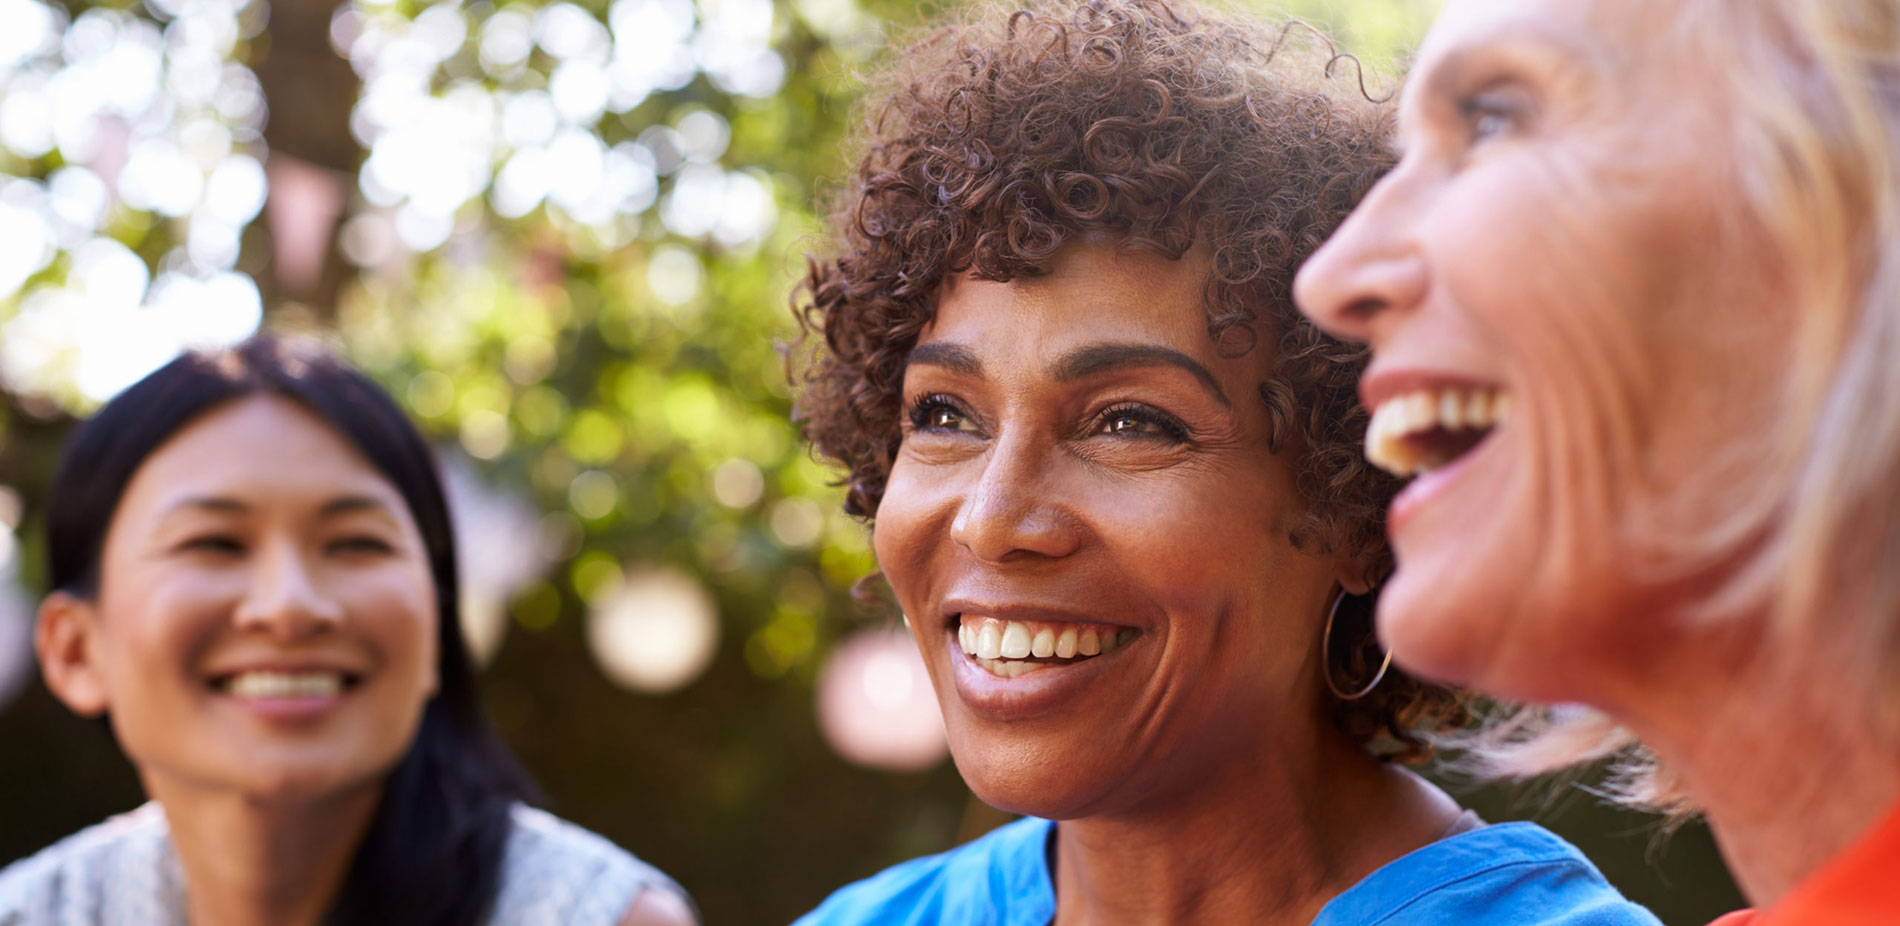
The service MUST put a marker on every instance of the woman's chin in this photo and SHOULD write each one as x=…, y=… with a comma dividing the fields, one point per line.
x=1432, y=634
x=1462, y=626
x=1048, y=788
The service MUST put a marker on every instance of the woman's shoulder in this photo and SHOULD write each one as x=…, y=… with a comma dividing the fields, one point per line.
x=554, y=871
x=1501, y=875
x=999, y=879
x=119, y=871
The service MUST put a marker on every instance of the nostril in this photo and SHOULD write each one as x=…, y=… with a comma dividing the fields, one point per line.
x=1363, y=309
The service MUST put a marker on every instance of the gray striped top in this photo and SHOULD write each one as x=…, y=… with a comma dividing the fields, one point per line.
x=123, y=873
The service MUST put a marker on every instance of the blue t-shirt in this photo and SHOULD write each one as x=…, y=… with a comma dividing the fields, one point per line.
x=1511, y=874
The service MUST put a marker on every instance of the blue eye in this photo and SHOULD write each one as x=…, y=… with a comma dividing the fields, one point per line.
x=1493, y=113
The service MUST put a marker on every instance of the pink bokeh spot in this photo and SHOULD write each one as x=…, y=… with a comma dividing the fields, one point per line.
x=876, y=706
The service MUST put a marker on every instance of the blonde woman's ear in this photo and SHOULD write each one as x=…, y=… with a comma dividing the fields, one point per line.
x=66, y=642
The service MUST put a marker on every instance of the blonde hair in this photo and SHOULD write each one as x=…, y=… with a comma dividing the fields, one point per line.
x=1815, y=93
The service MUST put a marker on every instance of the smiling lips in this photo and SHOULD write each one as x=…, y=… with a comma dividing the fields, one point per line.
x=262, y=684
x=1011, y=648
x=1424, y=429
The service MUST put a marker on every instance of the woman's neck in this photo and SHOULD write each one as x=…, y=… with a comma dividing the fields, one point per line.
x=251, y=862
x=1266, y=838
x=1780, y=756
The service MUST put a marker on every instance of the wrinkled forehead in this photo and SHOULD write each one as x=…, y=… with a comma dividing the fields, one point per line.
x=1630, y=30
x=1622, y=48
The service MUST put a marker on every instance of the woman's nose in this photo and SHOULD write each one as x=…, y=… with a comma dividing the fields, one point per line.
x=284, y=598
x=1370, y=272
x=1013, y=511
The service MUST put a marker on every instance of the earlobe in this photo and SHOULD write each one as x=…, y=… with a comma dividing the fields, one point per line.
x=64, y=638
x=1355, y=575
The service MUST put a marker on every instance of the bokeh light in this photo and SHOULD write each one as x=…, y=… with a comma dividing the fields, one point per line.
x=452, y=108
x=876, y=706
x=16, y=611
x=656, y=633
x=499, y=551
x=123, y=136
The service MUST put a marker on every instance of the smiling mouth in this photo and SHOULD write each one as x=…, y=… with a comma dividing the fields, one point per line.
x=1008, y=649
x=1422, y=430
x=261, y=684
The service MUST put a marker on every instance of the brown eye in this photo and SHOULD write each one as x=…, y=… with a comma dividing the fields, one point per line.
x=1141, y=421
x=360, y=546
x=217, y=544
x=939, y=413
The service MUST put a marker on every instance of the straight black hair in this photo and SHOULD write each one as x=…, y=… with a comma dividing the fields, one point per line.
x=433, y=853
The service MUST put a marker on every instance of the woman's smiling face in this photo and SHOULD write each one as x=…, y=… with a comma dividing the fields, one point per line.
x=1570, y=331
x=1084, y=471
x=265, y=620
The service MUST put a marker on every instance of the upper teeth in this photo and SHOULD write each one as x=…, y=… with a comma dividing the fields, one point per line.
x=990, y=640
x=1458, y=408
x=262, y=684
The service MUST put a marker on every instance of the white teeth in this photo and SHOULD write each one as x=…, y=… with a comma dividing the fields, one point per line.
x=286, y=685
x=1002, y=647
x=989, y=642
x=1477, y=406
x=1016, y=641
x=1449, y=409
x=1010, y=668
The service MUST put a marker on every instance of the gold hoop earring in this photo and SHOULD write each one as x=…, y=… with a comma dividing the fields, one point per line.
x=1326, y=663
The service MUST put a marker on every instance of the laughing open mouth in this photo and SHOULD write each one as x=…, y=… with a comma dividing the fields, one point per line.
x=1425, y=429
x=1012, y=648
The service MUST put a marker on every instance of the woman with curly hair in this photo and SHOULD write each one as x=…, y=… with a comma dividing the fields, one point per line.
x=1113, y=481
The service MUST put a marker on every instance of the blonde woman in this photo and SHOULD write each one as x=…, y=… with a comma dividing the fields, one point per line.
x=1634, y=299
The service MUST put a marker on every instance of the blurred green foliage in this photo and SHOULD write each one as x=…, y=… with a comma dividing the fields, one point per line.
x=609, y=378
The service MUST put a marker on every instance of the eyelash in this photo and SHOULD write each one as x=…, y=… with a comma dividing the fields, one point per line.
x=214, y=543
x=360, y=545
x=925, y=407
x=1488, y=114
x=1170, y=427
x=223, y=544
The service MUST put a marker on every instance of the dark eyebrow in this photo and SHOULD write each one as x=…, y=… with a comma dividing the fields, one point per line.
x=349, y=503
x=330, y=509
x=208, y=503
x=955, y=357
x=1098, y=358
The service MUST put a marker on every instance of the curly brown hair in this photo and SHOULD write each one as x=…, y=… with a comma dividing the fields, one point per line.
x=996, y=141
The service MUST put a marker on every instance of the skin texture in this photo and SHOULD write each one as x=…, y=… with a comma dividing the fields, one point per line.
x=1541, y=235
x=1194, y=768
x=229, y=550
x=258, y=537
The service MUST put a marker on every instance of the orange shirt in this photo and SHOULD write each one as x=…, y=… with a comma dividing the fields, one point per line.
x=1859, y=886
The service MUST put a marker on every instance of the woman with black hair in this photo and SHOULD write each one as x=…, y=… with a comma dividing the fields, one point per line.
x=254, y=582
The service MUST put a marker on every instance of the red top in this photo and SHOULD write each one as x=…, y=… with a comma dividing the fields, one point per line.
x=1859, y=886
